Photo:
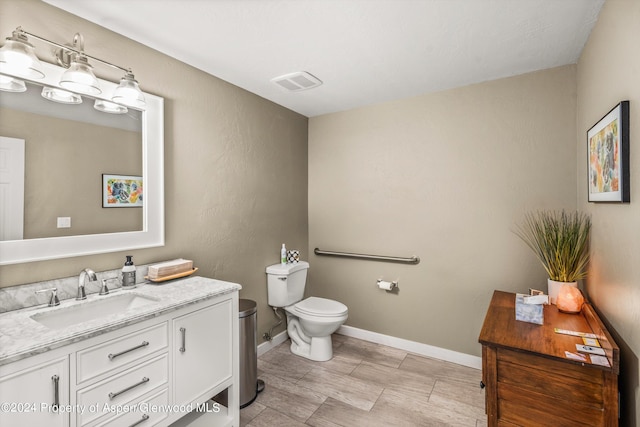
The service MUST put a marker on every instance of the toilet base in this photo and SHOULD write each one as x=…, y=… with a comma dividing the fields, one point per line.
x=320, y=349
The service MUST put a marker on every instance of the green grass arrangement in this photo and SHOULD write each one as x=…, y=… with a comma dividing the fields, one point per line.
x=560, y=240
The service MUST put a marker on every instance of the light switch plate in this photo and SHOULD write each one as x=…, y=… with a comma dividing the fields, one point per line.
x=64, y=222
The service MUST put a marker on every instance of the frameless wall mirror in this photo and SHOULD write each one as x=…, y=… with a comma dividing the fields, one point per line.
x=73, y=159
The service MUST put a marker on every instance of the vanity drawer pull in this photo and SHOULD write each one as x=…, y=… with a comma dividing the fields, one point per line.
x=183, y=331
x=113, y=356
x=116, y=394
x=56, y=392
x=144, y=418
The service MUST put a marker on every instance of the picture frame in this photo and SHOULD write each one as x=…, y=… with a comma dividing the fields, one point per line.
x=122, y=191
x=608, y=157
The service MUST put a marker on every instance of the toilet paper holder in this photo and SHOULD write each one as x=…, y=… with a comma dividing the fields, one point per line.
x=387, y=286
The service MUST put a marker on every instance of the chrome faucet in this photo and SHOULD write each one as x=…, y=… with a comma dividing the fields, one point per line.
x=83, y=275
x=54, y=301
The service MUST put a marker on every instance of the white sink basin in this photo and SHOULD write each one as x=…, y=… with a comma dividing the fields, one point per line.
x=91, y=310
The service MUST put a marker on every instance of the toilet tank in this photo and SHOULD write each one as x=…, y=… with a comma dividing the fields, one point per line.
x=285, y=283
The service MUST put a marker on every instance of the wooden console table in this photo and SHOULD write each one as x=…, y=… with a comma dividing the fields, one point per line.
x=528, y=379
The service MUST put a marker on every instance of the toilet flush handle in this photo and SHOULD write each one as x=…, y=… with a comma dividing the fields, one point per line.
x=282, y=278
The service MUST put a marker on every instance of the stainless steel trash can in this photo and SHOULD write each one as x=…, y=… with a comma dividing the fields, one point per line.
x=249, y=383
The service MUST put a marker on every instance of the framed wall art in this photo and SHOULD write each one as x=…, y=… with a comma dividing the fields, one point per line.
x=608, y=157
x=122, y=191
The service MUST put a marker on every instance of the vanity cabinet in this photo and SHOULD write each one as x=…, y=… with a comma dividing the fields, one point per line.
x=115, y=353
x=147, y=417
x=528, y=378
x=156, y=372
x=121, y=390
x=30, y=389
x=200, y=362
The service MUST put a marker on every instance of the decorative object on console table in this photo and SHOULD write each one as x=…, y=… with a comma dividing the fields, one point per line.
x=608, y=157
x=569, y=299
x=560, y=241
x=529, y=378
x=527, y=311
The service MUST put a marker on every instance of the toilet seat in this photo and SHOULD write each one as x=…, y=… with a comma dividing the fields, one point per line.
x=321, y=307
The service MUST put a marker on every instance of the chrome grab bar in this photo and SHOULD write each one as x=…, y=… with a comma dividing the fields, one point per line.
x=412, y=260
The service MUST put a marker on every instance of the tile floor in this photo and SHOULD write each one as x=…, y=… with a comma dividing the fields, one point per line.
x=365, y=384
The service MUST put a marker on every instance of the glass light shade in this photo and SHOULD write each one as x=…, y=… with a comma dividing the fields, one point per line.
x=9, y=84
x=129, y=93
x=18, y=58
x=61, y=96
x=109, y=107
x=80, y=78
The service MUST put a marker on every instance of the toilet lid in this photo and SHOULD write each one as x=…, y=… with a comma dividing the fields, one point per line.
x=315, y=306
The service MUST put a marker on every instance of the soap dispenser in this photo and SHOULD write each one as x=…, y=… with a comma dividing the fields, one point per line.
x=283, y=255
x=129, y=274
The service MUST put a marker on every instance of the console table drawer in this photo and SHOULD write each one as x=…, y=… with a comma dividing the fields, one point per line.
x=523, y=408
x=553, y=383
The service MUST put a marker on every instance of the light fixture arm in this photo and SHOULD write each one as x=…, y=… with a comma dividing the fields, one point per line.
x=78, y=39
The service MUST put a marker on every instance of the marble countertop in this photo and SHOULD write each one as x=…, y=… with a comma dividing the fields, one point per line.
x=21, y=336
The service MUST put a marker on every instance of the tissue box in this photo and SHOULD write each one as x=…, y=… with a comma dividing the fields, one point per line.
x=169, y=268
x=293, y=256
x=532, y=313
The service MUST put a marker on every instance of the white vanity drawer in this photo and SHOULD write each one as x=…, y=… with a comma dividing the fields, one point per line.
x=105, y=397
x=101, y=358
x=149, y=412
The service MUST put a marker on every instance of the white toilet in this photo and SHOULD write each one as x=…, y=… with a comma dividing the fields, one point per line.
x=310, y=322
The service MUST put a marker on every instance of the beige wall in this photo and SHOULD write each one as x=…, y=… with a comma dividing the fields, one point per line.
x=445, y=177
x=65, y=161
x=609, y=72
x=235, y=164
x=442, y=176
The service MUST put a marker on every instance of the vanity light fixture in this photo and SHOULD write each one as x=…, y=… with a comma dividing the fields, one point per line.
x=17, y=58
x=128, y=92
x=61, y=96
x=9, y=84
x=79, y=77
x=109, y=107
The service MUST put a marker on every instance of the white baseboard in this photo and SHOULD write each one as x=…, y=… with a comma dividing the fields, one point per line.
x=276, y=341
x=413, y=347
x=400, y=343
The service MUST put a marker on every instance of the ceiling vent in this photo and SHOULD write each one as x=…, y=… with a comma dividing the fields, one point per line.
x=295, y=82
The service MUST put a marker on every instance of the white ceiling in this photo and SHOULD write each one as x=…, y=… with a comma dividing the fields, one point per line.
x=364, y=51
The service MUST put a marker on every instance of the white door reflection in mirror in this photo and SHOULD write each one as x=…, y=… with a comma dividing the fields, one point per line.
x=11, y=188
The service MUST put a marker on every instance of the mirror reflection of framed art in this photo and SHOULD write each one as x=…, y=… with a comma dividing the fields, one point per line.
x=121, y=191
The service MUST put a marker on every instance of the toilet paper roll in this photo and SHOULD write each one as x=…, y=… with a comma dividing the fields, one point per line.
x=387, y=286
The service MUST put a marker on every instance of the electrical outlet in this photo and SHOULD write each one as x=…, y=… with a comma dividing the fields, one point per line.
x=64, y=222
